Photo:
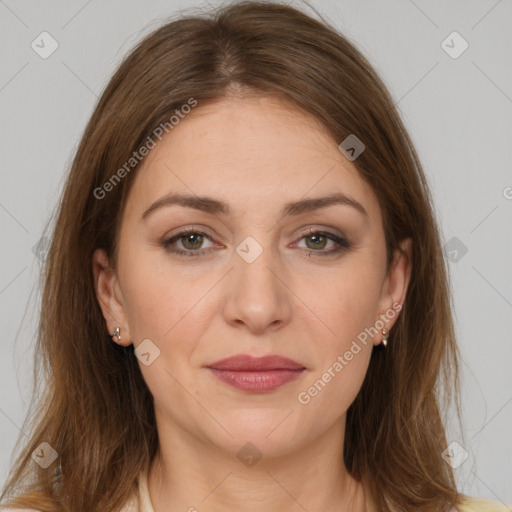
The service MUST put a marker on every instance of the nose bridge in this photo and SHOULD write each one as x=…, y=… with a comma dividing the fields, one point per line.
x=256, y=295
x=255, y=264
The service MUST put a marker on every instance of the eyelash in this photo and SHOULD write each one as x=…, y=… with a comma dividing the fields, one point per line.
x=343, y=244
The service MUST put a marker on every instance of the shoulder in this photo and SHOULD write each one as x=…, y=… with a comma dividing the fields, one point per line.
x=132, y=505
x=482, y=505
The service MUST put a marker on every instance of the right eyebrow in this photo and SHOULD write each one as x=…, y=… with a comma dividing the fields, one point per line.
x=204, y=204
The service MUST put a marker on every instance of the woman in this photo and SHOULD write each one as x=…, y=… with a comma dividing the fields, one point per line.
x=245, y=304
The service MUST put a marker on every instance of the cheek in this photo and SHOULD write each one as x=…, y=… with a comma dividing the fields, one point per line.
x=347, y=308
x=341, y=357
x=348, y=300
x=149, y=299
x=163, y=303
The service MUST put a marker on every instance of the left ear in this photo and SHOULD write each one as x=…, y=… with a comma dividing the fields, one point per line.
x=395, y=285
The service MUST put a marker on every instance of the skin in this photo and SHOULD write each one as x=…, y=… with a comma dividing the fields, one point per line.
x=256, y=154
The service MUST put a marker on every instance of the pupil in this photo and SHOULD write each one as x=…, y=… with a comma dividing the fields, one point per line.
x=189, y=239
x=318, y=238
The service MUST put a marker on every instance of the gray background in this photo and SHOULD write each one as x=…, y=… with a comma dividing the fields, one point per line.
x=457, y=110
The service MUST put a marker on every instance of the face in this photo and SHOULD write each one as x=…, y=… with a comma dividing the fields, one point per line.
x=259, y=268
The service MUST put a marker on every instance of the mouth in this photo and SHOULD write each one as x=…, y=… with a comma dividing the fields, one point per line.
x=256, y=374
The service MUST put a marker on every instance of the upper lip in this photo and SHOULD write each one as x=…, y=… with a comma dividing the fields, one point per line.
x=243, y=362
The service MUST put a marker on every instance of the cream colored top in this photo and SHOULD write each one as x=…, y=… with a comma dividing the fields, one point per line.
x=141, y=502
x=472, y=505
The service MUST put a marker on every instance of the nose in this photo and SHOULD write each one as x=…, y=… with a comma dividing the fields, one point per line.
x=257, y=296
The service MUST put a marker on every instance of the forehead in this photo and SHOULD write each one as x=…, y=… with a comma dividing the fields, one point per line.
x=249, y=153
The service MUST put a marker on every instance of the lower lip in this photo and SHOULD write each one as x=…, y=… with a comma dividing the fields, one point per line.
x=259, y=381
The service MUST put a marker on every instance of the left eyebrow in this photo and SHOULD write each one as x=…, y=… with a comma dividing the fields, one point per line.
x=216, y=207
x=316, y=203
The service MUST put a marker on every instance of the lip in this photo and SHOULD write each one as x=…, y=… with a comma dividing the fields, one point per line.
x=247, y=363
x=256, y=374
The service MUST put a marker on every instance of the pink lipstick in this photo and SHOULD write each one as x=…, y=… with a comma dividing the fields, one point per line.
x=256, y=374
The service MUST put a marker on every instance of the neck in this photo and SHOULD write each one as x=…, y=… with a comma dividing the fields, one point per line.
x=195, y=476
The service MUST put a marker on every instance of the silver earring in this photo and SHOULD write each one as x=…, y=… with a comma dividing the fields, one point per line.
x=117, y=334
x=385, y=334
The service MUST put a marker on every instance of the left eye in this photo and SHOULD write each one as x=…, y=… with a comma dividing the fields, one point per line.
x=318, y=241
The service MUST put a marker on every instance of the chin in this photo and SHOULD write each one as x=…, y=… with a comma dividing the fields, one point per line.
x=264, y=433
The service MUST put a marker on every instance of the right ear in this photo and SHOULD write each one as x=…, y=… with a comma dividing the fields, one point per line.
x=109, y=295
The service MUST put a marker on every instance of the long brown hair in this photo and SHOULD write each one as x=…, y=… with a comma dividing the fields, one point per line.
x=96, y=410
